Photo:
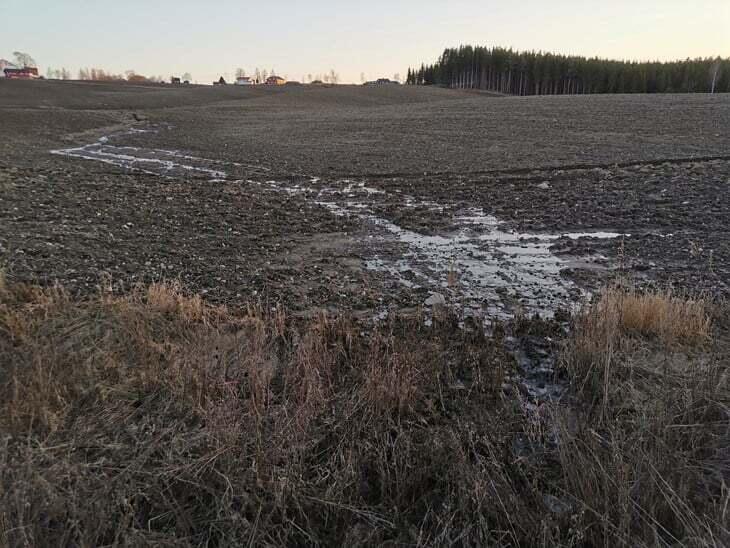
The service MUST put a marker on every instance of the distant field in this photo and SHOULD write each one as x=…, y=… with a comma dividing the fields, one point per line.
x=379, y=130
x=432, y=159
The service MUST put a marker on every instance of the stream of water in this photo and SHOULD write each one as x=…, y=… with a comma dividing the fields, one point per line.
x=478, y=264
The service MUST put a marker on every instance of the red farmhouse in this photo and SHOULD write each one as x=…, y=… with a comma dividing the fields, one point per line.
x=27, y=73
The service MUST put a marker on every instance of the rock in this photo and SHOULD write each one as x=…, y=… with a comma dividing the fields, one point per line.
x=544, y=185
x=436, y=299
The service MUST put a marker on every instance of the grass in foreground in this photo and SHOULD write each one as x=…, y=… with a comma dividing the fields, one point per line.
x=158, y=419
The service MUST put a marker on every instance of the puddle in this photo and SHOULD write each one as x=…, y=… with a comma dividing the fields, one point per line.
x=477, y=264
x=161, y=162
x=485, y=270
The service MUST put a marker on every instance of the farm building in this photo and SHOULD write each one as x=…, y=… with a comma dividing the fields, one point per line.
x=244, y=81
x=382, y=82
x=275, y=81
x=4, y=63
x=175, y=80
x=26, y=73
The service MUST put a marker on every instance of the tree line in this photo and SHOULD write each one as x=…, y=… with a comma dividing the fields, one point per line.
x=536, y=73
x=100, y=75
x=259, y=76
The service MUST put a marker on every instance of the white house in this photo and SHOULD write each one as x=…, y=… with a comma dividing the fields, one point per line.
x=244, y=81
x=4, y=63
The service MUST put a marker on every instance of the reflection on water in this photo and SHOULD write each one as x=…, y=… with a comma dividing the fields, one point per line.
x=476, y=263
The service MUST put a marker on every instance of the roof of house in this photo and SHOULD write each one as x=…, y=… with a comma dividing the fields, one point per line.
x=24, y=70
x=381, y=81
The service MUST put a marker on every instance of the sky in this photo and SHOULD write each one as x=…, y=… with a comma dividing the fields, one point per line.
x=377, y=38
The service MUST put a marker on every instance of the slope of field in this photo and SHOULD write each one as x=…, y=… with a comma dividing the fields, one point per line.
x=287, y=221
x=382, y=130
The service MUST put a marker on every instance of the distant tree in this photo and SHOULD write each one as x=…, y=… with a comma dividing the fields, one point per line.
x=362, y=78
x=240, y=73
x=23, y=59
x=334, y=77
x=84, y=74
x=187, y=77
x=50, y=73
x=396, y=77
x=257, y=75
x=309, y=78
x=65, y=74
x=264, y=75
x=131, y=77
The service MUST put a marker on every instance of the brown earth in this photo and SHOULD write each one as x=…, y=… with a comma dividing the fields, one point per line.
x=654, y=167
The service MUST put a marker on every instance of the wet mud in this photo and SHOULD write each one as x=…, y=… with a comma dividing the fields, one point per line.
x=474, y=262
x=368, y=203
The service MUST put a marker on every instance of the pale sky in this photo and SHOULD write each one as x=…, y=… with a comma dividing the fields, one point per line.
x=375, y=37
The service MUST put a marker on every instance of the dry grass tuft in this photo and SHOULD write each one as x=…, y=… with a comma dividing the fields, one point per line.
x=669, y=317
x=644, y=457
x=610, y=327
x=169, y=299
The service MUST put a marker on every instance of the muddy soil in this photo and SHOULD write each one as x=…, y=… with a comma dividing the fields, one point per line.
x=359, y=199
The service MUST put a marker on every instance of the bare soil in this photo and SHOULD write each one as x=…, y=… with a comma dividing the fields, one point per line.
x=655, y=169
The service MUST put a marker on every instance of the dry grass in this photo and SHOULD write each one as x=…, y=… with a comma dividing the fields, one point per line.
x=157, y=419
x=669, y=317
x=646, y=458
x=452, y=279
x=619, y=318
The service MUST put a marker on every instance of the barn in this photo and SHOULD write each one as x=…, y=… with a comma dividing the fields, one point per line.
x=26, y=73
x=4, y=63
